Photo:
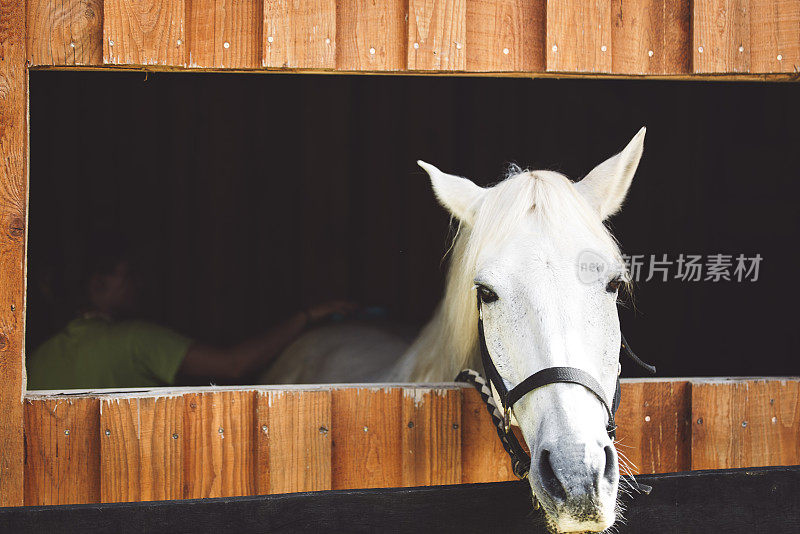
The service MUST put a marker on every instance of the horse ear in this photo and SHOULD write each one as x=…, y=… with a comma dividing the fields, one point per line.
x=607, y=184
x=459, y=195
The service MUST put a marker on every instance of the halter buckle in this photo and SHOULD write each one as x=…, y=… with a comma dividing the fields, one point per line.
x=507, y=418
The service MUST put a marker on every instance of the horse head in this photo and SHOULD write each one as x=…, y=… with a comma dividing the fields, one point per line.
x=547, y=273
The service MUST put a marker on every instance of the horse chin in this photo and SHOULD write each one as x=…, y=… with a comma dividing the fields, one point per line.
x=568, y=523
x=578, y=523
x=578, y=517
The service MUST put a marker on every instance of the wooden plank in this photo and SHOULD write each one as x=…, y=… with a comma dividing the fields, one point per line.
x=67, y=32
x=371, y=35
x=219, y=444
x=141, y=455
x=505, y=35
x=119, y=451
x=160, y=426
x=299, y=440
x=262, y=467
x=730, y=501
x=653, y=426
x=300, y=34
x=774, y=36
x=437, y=34
x=144, y=32
x=483, y=458
x=62, y=451
x=677, y=48
x=651, y=36
x=745, y=423
x=431, y=436
x=721, y=36
x=578, y=36
x=13, y=236
x=224, y=33
x=365, y=433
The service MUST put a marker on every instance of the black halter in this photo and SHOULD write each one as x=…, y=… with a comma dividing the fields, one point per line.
x=520, y=460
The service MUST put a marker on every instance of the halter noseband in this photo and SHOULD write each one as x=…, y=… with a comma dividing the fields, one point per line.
x=520, y=460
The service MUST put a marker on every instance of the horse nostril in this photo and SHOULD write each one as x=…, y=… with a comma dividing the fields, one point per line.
x=550, y=481
x=610, y=471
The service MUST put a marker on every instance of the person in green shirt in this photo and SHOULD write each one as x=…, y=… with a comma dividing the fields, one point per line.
x=104, y=349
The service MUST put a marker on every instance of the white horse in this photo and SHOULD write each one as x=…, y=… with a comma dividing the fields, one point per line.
x=520, y=245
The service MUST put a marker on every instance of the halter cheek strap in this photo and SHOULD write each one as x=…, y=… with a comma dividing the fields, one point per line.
x=520, y=460
x=550, y=375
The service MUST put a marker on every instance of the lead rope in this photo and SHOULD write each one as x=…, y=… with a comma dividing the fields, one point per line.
x=520, y=463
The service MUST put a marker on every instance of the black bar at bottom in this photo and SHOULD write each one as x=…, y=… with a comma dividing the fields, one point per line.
x=732, y=500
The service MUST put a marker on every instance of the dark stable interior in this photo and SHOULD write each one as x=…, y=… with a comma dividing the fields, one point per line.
x=247, y=197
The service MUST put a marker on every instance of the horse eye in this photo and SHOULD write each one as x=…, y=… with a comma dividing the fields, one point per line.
x=614, y=285
x=486, y=295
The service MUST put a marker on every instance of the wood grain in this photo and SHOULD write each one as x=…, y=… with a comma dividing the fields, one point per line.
x=141, y=454
x=483, y=458
x=371, y=35
x=224, y=33
x=579, y=36
x=505, y=35
x=774, y=36
x=219, y=444
x=721, y=36
x=431, y=436
x=67, y=32
x=650, y=36
x=261, y=468
x=299, y=440
x=745, y=423
x=640, y=36
x=204, y=444
x=366, y=438
x=13, y=228
x=144, y=32
x=437, y=34
x=653, y=426
x=62, y=451
x=300, y=34
x=119, y=451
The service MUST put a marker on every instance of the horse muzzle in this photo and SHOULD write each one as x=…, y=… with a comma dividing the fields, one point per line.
x=576, y=485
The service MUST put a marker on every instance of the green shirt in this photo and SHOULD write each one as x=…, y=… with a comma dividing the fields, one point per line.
x=97, y=353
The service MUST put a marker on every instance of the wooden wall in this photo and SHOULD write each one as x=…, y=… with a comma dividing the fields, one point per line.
x=204, y=443
x=168, y=444
x=626, y=37
x=13, y=240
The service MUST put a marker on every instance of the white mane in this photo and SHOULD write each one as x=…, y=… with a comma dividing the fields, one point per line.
x=448, y=343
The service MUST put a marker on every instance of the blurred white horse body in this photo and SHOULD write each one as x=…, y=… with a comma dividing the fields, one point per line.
x=519, y=245
x=350, y=352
